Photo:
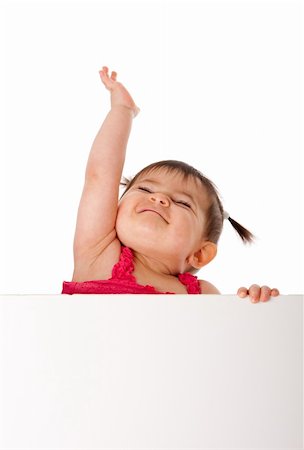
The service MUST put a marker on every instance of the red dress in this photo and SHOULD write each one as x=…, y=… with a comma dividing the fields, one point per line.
x=123, y=282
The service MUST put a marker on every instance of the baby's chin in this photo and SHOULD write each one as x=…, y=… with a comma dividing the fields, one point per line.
x=151, y=240
x=155, y=251
x=142, y=246
x=140, y=235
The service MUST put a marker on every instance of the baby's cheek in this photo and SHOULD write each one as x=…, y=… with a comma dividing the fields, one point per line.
x=183, y=236
x=121, y=226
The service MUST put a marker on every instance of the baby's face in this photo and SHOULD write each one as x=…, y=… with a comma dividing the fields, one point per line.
x=162, y=215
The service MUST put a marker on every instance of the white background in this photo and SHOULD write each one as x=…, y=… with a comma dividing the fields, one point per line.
x=218, y=84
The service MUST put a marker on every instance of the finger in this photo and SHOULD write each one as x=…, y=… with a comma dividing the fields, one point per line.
x=104, y=78
x=114, y=75
x=103, y=73
x=242, y=292
x=105, y=69
x=254, y=293
x=275, y=292
x=265, y=293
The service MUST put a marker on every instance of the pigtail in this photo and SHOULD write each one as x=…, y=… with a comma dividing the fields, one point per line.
x=246, y=236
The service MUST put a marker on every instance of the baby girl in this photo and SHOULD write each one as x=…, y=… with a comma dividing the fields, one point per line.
x=161, y=231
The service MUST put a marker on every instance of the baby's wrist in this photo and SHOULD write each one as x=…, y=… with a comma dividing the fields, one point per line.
x=132, y=110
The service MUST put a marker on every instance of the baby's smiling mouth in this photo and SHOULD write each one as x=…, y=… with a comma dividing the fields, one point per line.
x=153, y=210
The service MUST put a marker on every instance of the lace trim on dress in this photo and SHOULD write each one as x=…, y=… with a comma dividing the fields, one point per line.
x=191, y=281
x=124, y=268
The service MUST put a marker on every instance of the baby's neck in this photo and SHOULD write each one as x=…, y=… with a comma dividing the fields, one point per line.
x=151, y=266
x=151, y=272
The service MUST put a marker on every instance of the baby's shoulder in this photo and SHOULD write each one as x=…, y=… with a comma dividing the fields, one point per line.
x=208, y=288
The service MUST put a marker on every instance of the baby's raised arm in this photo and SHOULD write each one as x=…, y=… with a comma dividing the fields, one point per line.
x=99, y=201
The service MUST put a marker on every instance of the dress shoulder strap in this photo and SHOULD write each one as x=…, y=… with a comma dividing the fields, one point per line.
x=124, y=268
x=191, y=282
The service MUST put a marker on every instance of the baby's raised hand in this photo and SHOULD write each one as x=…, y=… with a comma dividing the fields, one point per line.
x=119, y=94
x=257, y=293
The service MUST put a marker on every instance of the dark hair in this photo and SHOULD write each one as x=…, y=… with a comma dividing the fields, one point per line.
x=214, y=211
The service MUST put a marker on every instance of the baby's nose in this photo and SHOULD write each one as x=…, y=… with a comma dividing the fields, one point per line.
x=160, y=198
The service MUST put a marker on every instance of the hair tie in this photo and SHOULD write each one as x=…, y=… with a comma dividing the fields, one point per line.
x=226, y=215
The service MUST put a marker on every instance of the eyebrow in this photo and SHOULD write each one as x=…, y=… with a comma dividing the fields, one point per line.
x=149, y=180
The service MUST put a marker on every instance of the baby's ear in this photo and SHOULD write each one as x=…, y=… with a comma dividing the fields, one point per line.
x=203, y=256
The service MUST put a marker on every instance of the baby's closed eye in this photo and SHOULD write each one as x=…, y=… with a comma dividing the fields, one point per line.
x=182, y=202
